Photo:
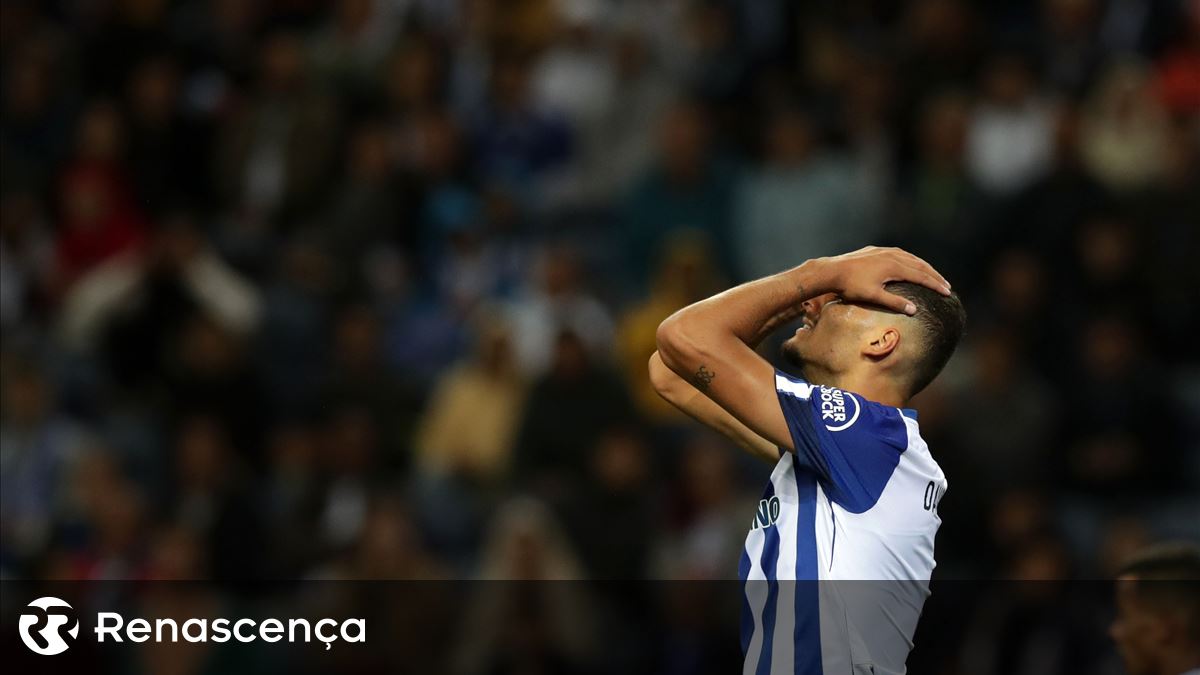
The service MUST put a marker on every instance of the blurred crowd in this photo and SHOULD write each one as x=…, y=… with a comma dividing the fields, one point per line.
x=366, y=289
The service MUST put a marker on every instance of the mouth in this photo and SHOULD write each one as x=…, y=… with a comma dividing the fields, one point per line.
x=808, y=324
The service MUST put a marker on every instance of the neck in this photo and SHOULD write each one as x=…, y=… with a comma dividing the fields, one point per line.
x=868, y=385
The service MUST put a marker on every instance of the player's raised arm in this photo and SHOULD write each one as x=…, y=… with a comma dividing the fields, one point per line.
x=709, y=343
x=679, y=393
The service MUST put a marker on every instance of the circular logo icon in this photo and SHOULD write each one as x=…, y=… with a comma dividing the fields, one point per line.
x=836, y=408
x=45, y=623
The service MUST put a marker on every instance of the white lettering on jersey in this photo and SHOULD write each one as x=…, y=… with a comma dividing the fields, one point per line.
x=833, y=409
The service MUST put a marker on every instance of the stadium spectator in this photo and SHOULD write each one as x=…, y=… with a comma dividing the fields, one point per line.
x=938, y=199
x=577, y=399
x=802, y=201
x=706, y=520
x=39, y=448
x=1124, y=130
x=556, y=301
x=100, y=218
x=1158, y=611
x=274, y=150
x=608, y=519
x=458, y=434
x=1007, y=416
x=685, y=275
x=686, y=188
x=1009, y=135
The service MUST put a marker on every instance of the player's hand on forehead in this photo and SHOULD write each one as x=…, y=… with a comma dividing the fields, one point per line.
x=859, y=276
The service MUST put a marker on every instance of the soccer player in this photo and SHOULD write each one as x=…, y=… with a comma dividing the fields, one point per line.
x=1157, y=626
x=855, y=492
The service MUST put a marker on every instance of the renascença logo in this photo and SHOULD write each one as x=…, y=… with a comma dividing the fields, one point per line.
x=47, y=618
x=42, y=627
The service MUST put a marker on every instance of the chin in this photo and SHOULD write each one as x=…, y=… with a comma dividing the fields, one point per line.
x=791, y=353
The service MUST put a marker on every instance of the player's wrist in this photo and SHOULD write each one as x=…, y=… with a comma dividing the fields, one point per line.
x=814, y=277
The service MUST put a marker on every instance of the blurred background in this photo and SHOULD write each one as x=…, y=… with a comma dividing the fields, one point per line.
x=366, y=289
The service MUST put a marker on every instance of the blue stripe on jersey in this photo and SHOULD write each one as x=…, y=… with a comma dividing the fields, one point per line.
x=807, y=631
x=806, y=523
x=747, y=613
x=770, y=561
x=768, y=644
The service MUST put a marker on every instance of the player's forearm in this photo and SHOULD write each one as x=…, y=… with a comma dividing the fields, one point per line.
x=676, y=391
x=737, y=318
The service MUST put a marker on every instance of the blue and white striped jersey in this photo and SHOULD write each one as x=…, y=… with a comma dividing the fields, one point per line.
x=840, y=551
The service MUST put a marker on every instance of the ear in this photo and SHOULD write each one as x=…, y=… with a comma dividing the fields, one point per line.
x=881, y=343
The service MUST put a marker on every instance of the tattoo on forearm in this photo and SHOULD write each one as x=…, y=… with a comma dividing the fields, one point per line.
x=704, y=378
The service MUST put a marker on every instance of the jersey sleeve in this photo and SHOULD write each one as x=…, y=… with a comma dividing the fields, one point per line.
x=851, y=444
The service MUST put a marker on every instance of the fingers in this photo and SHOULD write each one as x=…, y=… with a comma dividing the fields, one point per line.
x=918, y=275
x=923, y=277
x=894, y=302
x=879, y=266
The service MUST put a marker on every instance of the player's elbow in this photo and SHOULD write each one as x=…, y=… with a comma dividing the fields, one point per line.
x=664, y=381
x=672, y=341
x=677, y=345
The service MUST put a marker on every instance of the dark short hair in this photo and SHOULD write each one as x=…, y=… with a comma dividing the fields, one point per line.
x=1167, y=577
x=943, y=319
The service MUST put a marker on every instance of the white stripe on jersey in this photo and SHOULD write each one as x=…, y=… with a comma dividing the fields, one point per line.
x=801, y=390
